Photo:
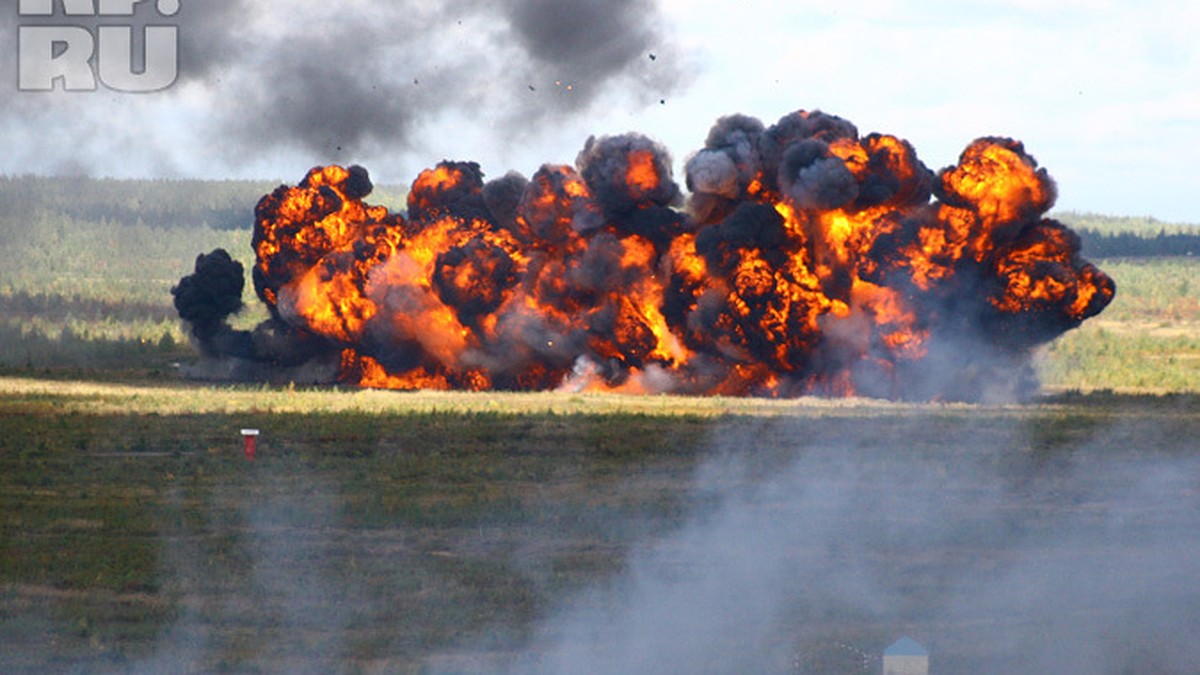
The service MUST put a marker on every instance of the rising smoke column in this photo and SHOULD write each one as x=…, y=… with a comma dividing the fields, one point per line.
x=207, y=297
x=808, y=260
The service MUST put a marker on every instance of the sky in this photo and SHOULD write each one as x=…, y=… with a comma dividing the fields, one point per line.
x=1104, y=94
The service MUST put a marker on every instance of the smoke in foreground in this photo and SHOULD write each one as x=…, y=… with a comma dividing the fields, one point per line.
x=809, y=260
x=1085, y=565
x=807, y=550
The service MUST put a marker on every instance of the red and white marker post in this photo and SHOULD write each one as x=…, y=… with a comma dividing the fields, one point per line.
x=250, y=436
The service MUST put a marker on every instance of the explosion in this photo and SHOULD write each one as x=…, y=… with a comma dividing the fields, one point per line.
x=806, y=260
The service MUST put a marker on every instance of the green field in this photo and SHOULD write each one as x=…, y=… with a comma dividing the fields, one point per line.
x=435, y=532
x=450, y=533
x=1148, y=340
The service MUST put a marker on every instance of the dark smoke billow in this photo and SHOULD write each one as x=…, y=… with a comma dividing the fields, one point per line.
x=329, y=79
x=206, y=298
x=272, y=352
x=808, y=260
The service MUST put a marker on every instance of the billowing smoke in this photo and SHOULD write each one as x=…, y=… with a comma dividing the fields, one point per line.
x=273, y=351
x=809, y=260
x=328, y=79
x=207, y=297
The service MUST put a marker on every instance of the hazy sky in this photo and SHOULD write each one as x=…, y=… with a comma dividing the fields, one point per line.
x=1106, y=95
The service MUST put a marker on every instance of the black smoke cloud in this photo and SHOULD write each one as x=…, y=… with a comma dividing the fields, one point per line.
x=376, y=74
x=207, y=297
x=588, y=42
x=273, y=351
x=332, y=80
x=814, y=178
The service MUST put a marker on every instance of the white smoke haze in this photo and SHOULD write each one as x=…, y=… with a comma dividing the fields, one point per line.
x=1084, y=565
x=294, y=598
x=1042, y=544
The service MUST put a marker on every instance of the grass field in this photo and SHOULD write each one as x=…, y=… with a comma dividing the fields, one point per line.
x=442, y=533
x=1148, y=340
x=465, y=533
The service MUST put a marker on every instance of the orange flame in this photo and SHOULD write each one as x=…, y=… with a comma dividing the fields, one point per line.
x=769, y=295
x=642, y=176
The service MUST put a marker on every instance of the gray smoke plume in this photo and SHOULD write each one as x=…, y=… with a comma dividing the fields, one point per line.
x=334, y=78
x=295, y=597
x=814, y=178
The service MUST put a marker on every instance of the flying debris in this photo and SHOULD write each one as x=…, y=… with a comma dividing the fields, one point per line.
x=806, y=259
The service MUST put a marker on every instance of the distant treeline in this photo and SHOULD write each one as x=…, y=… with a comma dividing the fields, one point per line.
x=1143, y=226
x=219, y=205
x=1131, y=237
x=170, y=204
x=1135, y=245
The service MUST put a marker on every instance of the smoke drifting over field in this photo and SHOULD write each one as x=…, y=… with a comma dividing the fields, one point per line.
x=810, y=544
x=299, y=600
x=808, y=260
x=1085, y=565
